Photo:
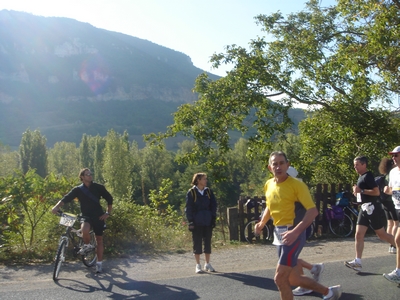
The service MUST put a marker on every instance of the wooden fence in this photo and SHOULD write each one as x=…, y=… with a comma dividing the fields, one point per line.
x=323, y=194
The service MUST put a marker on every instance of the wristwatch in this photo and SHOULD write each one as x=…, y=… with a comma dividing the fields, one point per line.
x=107, y=213
x=362, y=191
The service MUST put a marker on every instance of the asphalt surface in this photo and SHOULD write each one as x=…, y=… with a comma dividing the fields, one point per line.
x=242, y=273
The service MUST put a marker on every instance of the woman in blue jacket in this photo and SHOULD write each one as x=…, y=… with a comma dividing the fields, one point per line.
x=201, y=213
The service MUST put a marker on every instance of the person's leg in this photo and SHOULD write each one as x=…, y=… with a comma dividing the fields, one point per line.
x=85, y=226
x=297, y=278
x=384, y=236
x=207, y=257
x=304, y=265
x=359, y=240
x=288, y=259
x=281, y=279
x=395, y=227
x=377, y=224
x=390, y=225
x=197, y=239
x=316, y=271
x=100, y=248
x=207, y=249
x=397, y=243
x=197, y=258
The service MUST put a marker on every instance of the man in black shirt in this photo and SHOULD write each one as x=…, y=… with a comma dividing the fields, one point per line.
x=89, y=194
x=367, y=192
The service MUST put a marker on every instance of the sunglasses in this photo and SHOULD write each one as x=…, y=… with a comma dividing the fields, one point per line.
x=394, y=155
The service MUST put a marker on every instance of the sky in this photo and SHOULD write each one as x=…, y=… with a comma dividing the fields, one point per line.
x=197, y=28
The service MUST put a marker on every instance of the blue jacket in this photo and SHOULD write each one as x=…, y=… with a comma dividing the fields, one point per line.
x=202, y=210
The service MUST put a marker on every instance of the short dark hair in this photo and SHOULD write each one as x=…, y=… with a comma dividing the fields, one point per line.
x=276, y=153
x=362, y=159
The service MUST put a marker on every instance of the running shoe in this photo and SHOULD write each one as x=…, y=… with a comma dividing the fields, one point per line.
x=353, y=265
x=393, y=277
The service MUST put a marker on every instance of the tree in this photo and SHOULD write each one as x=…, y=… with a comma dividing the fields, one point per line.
x=117, y=164
x=9, y=161
x=156, y=165
x=64, y=159
x=33, y=152
x=309, y=60
x=85, y=153
x=26, y=199
x=376, y=32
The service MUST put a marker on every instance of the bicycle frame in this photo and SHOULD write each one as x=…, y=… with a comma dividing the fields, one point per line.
x=73, y=236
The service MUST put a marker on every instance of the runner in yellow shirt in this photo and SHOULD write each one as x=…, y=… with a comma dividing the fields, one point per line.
x=282, y=192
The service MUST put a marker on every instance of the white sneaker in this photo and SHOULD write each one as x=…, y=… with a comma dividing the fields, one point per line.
x=198, y=268
x=336, y=293
x=353, y=265
x=209, y=268
x=319, y=268
x=299, y=291
x=99, y=268
x=392, y=250
x=393, y=277
x=85, y=248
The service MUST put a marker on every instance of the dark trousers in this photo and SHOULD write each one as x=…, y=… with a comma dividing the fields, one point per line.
x=201, y=234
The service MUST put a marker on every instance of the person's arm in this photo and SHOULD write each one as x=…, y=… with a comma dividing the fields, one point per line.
x=264, y=219
x=369, y=192
x=189, y=209
x=388, y=190
x=107, y=214
x=67, y=198
x=56, y=207
x=308, y=218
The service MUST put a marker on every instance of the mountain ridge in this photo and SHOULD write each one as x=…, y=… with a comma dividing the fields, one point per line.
x=67, y=78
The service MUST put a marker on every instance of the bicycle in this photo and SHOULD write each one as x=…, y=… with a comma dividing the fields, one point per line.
x=344, y=226
x=267, y=232
x=74, y=236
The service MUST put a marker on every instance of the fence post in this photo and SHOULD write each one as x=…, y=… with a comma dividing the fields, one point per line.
x=241, y=218
x=233, y=222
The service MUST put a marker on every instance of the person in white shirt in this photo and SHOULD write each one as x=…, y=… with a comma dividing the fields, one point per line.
x=394, y=189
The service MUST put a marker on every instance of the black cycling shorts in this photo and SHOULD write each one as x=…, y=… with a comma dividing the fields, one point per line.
x=97, y=225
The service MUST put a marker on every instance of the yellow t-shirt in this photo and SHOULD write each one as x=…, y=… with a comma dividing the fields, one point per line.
x=281, y=198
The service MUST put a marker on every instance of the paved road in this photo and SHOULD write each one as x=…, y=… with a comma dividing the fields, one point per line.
x=119, y=282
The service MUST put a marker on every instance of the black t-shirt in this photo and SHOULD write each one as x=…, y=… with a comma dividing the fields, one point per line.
x=366, y=181
x=89, y=207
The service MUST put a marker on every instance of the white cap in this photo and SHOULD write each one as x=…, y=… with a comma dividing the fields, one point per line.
x=395, y=150
x=293, y=172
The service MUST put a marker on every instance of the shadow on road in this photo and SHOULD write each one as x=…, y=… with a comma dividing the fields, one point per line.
x=115, y=284
x=256, y=281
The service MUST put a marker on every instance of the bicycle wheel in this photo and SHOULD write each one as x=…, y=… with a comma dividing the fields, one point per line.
x=342, y=227
x=60, y=258
x=251, y=237
x=90, y=257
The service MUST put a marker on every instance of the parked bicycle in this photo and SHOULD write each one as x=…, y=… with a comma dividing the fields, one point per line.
x=73, y=236
x=342, y=218
x=267, y=233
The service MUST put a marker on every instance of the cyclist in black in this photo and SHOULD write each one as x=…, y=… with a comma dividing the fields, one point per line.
x=89, y=194
x=367, y=192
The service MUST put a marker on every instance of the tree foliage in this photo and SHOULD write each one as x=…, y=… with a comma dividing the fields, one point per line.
x=64, y=159
x=117, y=163
x=33, y=152
x=25, y=200
x=320, y=57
